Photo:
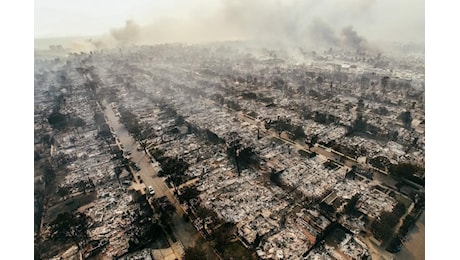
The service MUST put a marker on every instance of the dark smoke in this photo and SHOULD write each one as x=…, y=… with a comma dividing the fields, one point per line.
x=352, y=40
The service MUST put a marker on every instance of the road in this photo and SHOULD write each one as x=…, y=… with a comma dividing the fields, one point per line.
x=414, y=246
x=148, y=172
x=184, y=231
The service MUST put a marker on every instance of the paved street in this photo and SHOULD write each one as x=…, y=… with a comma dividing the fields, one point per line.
x=414, y=247
x=147, y=173
x=184, y=231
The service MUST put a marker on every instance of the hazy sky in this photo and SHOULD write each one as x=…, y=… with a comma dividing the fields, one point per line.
x=176, y=20
x=56, y=18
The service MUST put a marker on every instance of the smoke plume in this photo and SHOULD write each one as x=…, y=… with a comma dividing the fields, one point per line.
x=128, y=34
x=352, y=39
x=347, y=24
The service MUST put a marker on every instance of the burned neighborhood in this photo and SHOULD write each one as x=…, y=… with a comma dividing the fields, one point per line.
x=228, y=150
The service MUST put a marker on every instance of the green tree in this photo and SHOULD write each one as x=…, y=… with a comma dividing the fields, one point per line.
x=382, y=111
x=57, y=120
x=223, y=235
x=275, y=177
x=399, y=209
x=298, y=132
x=406, y=118
x=383, y=227
x=384, y=81
x=359, y=125
x=175, y=169
x=319, y=80
x=72, y=226
x=350, y=207
x=189, y=193
x=234, y=148
x=247, y=157
x=405, y=170
x=194, y=253
x=143, y=145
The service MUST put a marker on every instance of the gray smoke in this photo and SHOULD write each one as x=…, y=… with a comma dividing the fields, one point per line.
x=352, y=39
x=127, y=35
x=98, y=44
x=323, y=34
x=348, y=24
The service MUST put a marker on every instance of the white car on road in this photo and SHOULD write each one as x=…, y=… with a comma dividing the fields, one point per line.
x=151, y=190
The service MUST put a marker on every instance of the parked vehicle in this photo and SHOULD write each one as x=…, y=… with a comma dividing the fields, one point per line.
x=151, y=190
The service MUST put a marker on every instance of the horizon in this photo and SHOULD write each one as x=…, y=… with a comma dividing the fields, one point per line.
x=294, y=22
